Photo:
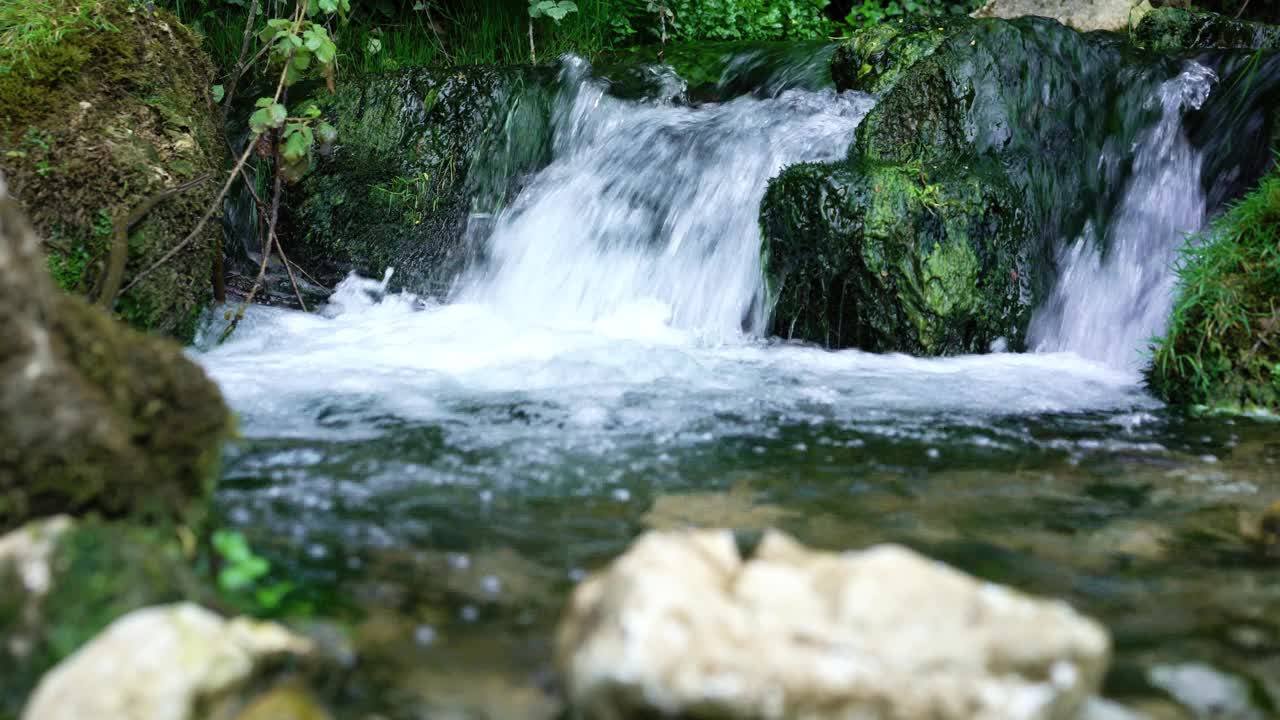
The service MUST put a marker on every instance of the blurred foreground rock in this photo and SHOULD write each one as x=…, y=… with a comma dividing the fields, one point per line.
x=681, y=625
x=173, y=662
x=1083, y=15
x=93, y=415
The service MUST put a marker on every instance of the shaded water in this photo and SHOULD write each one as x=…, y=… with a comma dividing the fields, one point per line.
x=446, y=471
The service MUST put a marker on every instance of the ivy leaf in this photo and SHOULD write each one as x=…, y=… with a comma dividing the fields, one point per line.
x=297, y=144
x=219, y=92
x=271, y=115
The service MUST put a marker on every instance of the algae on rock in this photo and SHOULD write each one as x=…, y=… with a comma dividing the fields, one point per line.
x=93, y=415
x=929, y=258
x=1173, y=29
x=112, y=110
x=419, y=151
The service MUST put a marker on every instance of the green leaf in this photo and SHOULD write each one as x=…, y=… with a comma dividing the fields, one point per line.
x=270, y=116
x=219, y=92
x=263, y=102
x=301, y=60
x=297, y=144
x=374, y=47
x=329, y=6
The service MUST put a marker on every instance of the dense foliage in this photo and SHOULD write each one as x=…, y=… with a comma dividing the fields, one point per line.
x=1222, y=348
x=385, y=34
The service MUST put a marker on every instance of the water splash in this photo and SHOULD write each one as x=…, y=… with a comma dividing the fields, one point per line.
x=1115, y=291
x=656, y=204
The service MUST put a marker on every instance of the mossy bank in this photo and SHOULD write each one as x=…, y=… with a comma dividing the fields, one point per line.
x=104, y=104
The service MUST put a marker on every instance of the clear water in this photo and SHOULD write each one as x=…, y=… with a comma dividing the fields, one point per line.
x=446, y=471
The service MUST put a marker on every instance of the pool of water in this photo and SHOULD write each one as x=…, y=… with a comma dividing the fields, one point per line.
x=441, y=476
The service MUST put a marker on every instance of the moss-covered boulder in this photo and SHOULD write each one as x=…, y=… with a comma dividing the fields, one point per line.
x=1172, y=29
x=93, y=415
x=419, y=151
x=1222, y=348
x=104, y=104
x=926, y=260
x=873, y=59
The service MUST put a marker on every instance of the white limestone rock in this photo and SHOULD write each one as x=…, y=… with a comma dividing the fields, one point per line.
x=1083, y=15
x=681, y=625
x=170, y=662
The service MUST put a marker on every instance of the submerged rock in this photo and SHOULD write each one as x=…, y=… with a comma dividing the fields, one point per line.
x=1083, y=15
x=174, y=662
x=97, y=122
x=1171, y=29
x=681, y=625
x=93, y=416
x=418, y=152
x=927, y=260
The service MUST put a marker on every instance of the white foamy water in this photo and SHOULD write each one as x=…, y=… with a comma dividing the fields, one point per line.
x=619, y=308
x=1115, y=291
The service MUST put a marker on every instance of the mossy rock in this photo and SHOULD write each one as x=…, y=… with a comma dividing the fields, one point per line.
x=1170, y=29
x=419, y=151
x=717, y=71
x=96, y=573
x=1222, y=348
x=928, y=260
x=873, y=58
x=94, y=416
x=92, y=124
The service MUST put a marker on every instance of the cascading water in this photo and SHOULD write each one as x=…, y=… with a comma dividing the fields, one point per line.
x=654, y=203
x=1116, y=283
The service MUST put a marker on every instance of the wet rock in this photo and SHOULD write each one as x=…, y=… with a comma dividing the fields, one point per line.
x=1206, y=692
x=173, y=662
x=1171, y=29
x=681, y=625
x=1083, y=15
x=418, y=152
x=93, y=416
x=97, y=123
x=874, y=58
x=929, y=260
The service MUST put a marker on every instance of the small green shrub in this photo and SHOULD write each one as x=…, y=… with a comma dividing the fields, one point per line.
x=1222, y=349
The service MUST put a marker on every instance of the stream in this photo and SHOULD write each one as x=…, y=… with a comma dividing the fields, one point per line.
x=442, y=470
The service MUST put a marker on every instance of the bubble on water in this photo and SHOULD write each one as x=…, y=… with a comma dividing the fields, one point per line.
x=469, y=613
x=622, y=495
x=486, y=496
x=933, y=453
x=491, y=584
x=317, y=551
x=424, y=635
x=459, y=561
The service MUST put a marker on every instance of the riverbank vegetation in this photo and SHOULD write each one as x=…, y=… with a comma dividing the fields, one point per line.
x=1222, y=349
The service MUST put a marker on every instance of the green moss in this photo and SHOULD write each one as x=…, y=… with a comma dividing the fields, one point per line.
x=98, y=114
x=420, y=150
x=1171, y=29
x=924, y=259
x=873, y=58
x=1222, y=348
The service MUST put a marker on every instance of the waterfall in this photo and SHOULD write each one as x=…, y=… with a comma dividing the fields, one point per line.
x=651, y=203
x=1115, y=284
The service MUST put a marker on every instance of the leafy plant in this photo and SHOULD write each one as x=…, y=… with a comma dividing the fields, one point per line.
x=557, y=10
x=243, y=575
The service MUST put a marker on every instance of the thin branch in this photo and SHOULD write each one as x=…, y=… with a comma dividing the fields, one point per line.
x=241, y=66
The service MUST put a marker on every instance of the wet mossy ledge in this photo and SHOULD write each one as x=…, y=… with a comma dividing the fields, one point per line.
x=1222, y=348
x=103, y=105
x=1171, y=29
x=420, y=151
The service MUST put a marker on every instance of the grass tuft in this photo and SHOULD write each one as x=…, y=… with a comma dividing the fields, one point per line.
x=1222, y=349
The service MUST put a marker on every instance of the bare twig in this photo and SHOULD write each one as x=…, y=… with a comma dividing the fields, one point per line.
x=241, y=65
